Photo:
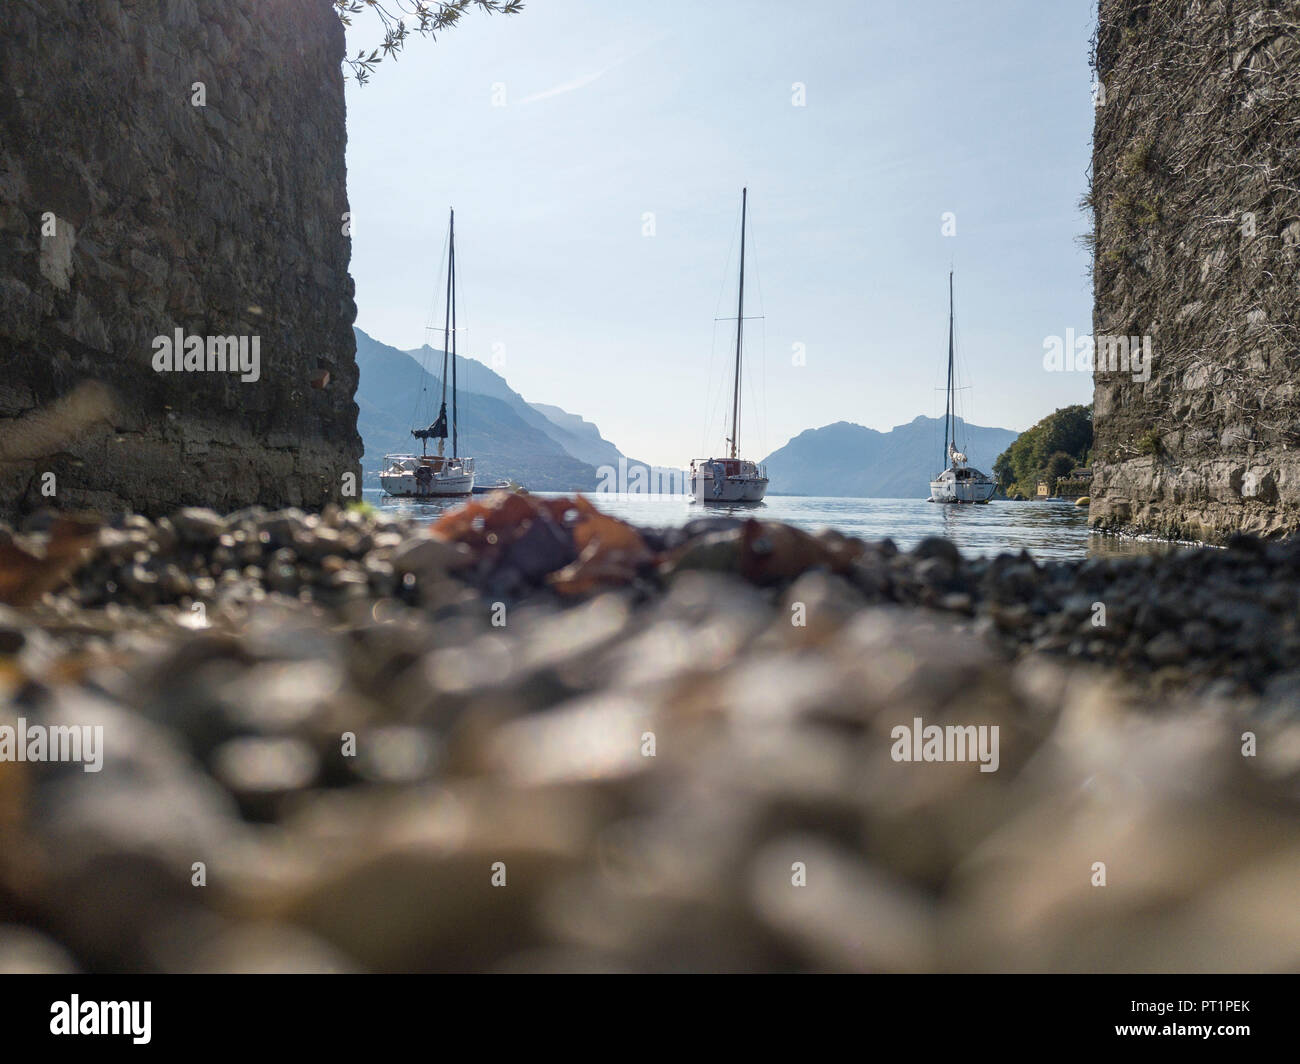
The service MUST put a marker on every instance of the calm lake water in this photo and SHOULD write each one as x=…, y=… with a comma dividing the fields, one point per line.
x=1048, y=529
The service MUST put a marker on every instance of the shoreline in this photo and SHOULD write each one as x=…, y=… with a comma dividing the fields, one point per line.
x=198, y=560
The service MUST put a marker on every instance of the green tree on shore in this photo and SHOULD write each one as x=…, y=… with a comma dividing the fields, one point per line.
x=1059, y=465
x=1047, y=451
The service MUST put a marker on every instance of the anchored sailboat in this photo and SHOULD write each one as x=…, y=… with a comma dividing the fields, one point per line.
x=958, y=482
x=436, y=475
x=731, y=479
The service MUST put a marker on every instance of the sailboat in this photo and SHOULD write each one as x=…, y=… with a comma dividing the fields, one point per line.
x=731, y=479
x=436, y=475
x=958, y=482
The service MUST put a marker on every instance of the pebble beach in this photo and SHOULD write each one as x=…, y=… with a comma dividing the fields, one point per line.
x=532, y=737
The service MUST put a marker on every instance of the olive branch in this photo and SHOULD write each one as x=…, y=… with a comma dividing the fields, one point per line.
x=428, y=18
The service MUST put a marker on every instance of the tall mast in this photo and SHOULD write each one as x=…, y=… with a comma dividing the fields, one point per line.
x=446, y=332
x=740, y=329
x=455, y=443
x=947, y=413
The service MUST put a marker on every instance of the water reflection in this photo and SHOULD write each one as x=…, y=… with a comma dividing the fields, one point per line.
x=1101, y=545
x=408, y=507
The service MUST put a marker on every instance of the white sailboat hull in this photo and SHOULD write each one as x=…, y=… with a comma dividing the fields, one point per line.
x=962, y=486
x=727, y=481
x=733, y=489
x=426, y=476
x=406, y=484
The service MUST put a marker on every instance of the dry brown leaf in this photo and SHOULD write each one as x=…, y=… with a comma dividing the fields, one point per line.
x=26, y=575
x=771, y=553
x=611, y=552
x=473, y=522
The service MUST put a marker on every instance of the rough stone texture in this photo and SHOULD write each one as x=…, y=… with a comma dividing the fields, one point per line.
x=1196, y=193
x=219, y=220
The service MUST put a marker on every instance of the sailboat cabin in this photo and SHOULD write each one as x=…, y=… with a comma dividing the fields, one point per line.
x=731, y=467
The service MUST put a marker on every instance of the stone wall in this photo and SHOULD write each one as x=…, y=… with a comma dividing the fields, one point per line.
x=128, y=212
x=1196, y=194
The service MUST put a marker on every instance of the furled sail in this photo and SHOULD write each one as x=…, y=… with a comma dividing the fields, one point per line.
x=436, y=431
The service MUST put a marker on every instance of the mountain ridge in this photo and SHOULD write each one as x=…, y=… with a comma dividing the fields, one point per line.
x=548, y=448
x=505, y=441
x=848, y=460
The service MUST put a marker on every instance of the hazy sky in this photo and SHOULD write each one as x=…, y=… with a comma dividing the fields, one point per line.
x=617, y=111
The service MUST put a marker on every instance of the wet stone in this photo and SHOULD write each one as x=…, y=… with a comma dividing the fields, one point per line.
x=198, y=527
x=260, y=770
x=27, y=952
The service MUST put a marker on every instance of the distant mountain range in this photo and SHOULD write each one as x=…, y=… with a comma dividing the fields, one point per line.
x=547, y=448
x=851, y=460
x=509, y=438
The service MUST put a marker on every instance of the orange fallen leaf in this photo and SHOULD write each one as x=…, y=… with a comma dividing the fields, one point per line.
x=472, y=522
x=27, y=574
x=610, y=551
x=771, y=552
x=609, y=533
x=596, y=567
